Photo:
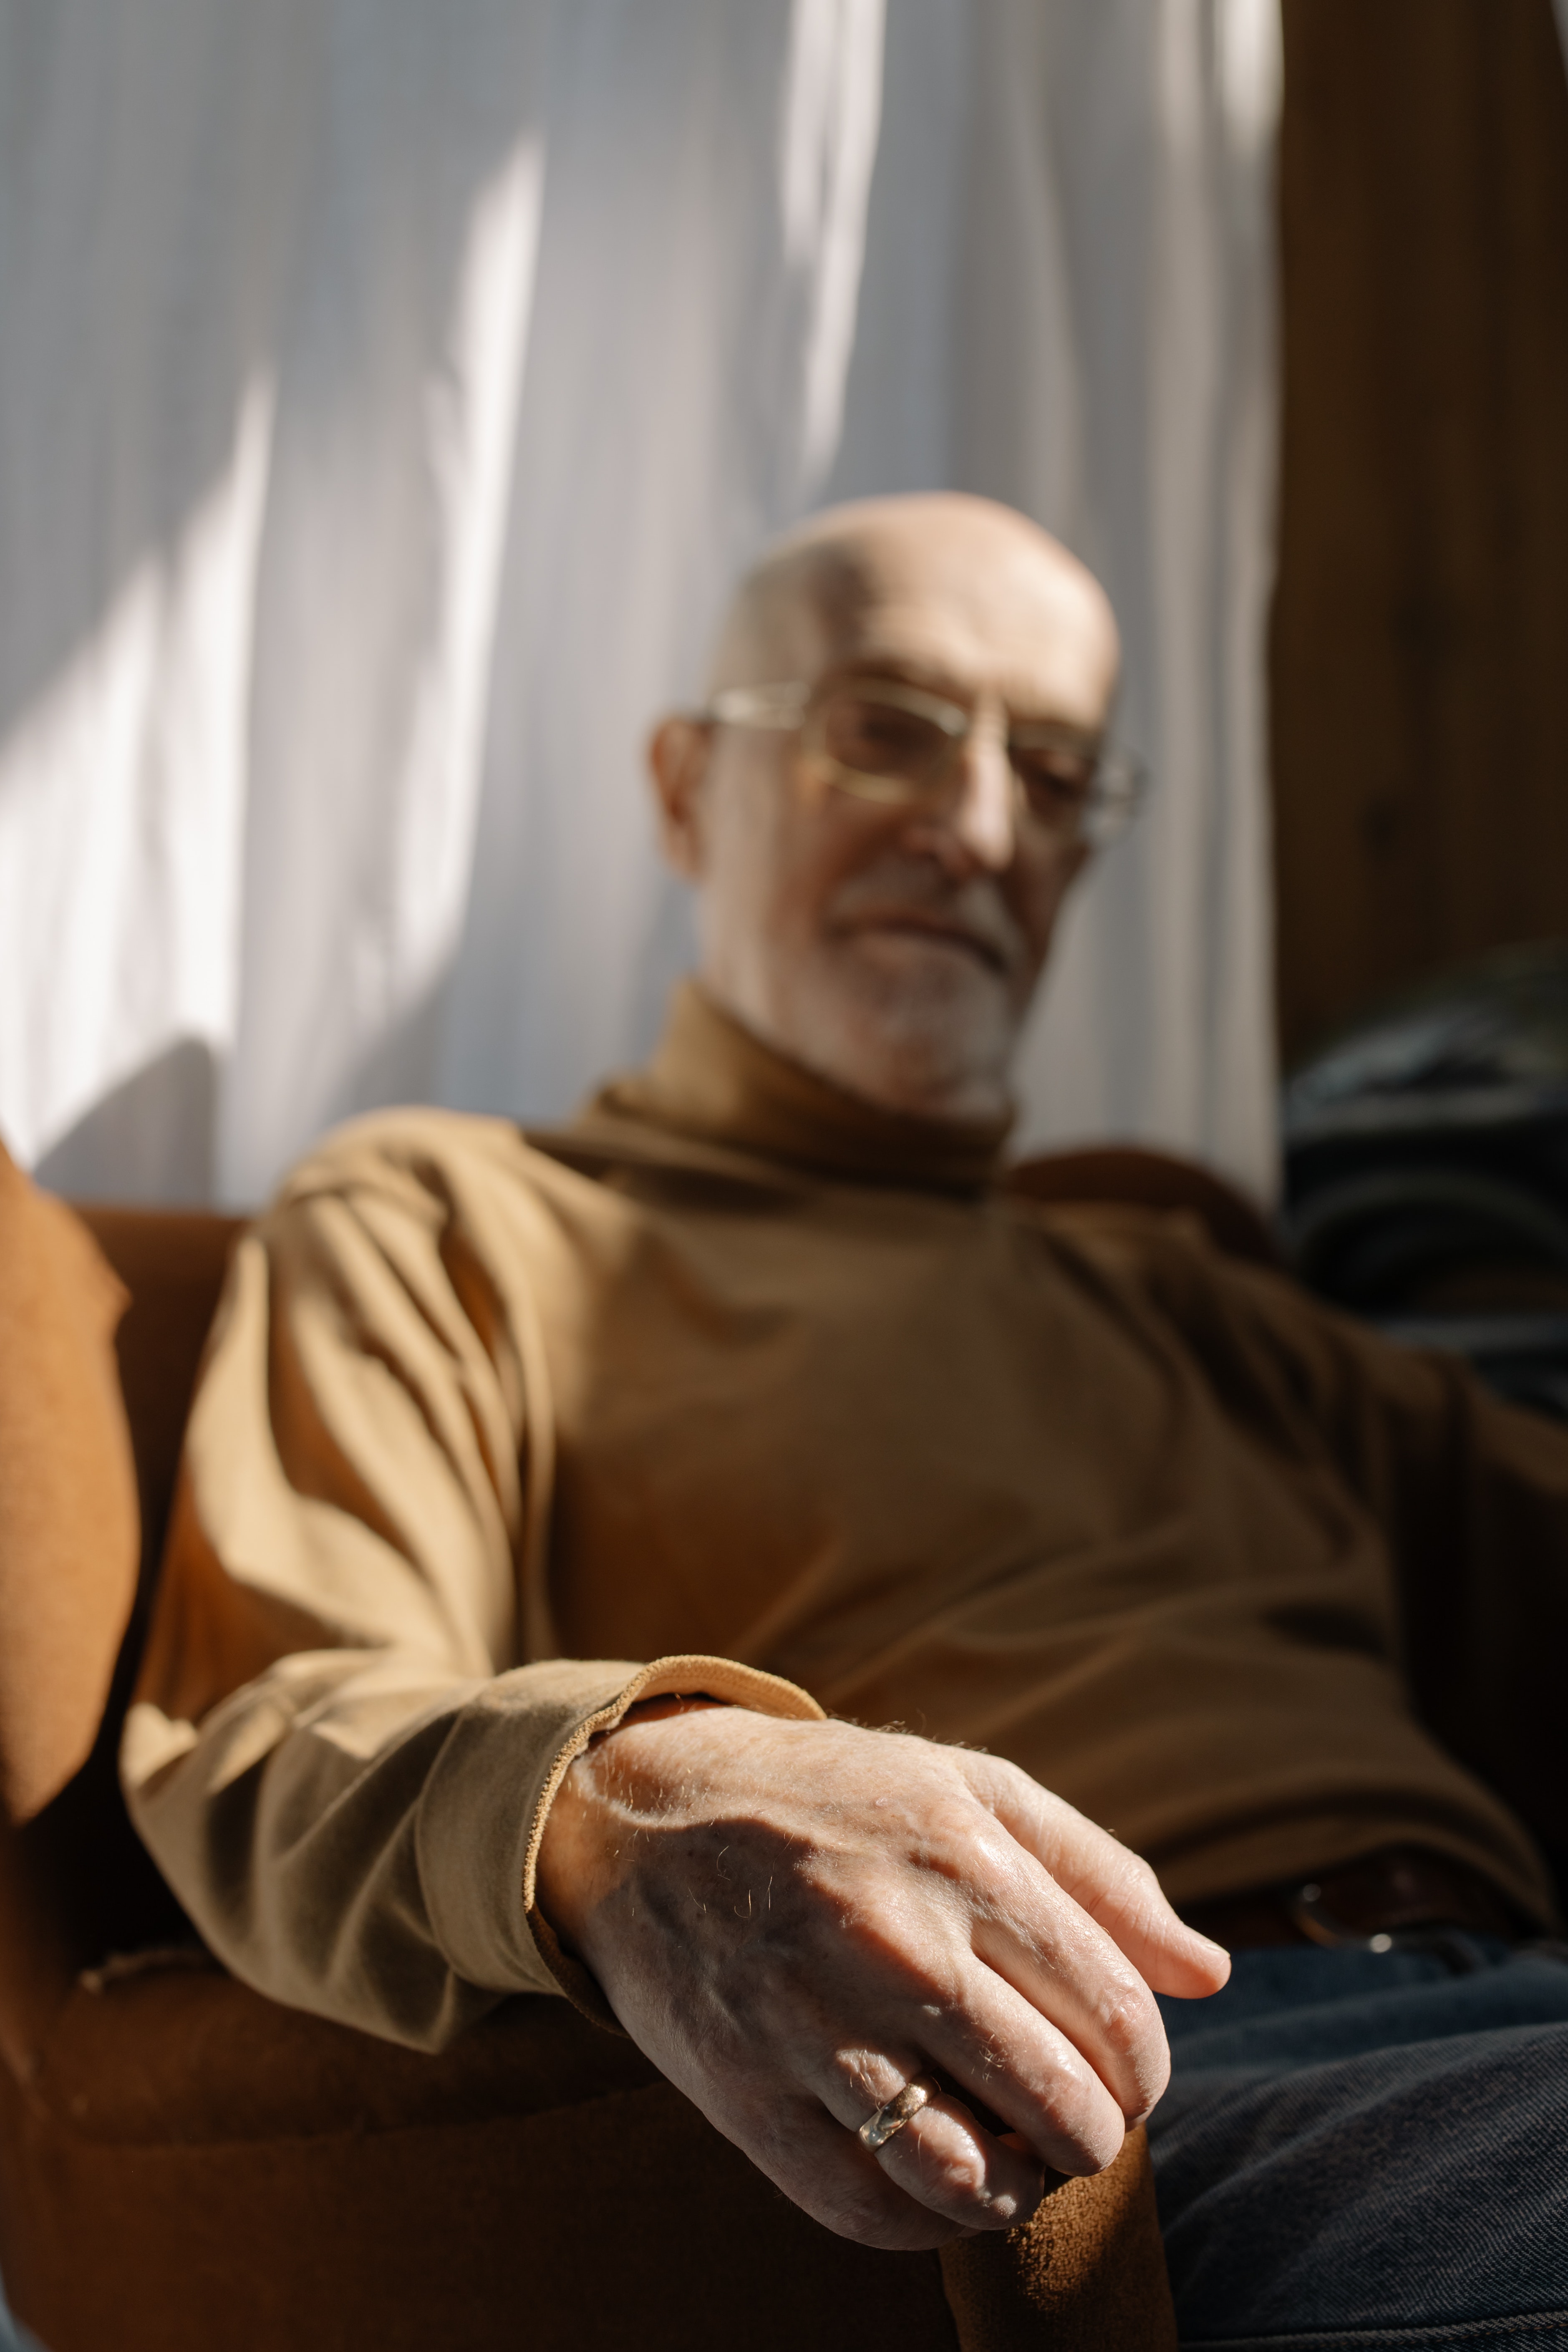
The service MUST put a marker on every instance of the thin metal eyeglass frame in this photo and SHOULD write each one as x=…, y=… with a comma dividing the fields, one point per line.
x=1115, y=794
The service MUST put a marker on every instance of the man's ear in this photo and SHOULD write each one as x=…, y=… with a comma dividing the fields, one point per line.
x=677, y=754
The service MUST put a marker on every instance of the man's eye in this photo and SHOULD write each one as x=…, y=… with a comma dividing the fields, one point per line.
x=879, y=739
x=1053, y=781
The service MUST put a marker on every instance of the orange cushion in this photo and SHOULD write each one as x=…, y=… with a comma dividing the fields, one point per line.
x=68, y=1521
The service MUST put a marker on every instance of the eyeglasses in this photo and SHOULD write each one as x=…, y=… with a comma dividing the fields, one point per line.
x=879, y=740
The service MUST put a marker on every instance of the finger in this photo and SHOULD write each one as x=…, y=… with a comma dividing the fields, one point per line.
x=1045, y=1947
x=993, y=2048
x=943, y=2158
x=820, y=2164
x=1000, y=2050
x=1116, y=1887
x=1033, y=1941
x=945, y=2161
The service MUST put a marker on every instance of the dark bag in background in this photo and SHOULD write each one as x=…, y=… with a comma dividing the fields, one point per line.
x=1426, y=1170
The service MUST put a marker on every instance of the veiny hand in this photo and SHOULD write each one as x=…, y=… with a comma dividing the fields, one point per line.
x=793, y=1920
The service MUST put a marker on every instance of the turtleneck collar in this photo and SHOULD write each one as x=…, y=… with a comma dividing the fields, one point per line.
x=712, y=1080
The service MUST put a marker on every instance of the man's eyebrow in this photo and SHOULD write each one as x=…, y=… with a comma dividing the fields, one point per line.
x=907, y=672
x=898, y=670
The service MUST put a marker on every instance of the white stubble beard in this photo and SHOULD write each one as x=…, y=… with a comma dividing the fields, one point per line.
x=906, y=1019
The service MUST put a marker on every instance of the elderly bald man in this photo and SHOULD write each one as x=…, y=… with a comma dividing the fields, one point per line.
x=756, y=1371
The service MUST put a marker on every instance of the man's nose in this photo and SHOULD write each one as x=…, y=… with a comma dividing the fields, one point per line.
x=986, y=817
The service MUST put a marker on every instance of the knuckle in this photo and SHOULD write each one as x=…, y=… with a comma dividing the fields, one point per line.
x=953, y=1820
x=874, y=2211
x=1114, y=1867
x=1141, y=1880
x=1087, y=2131
x=864, y=2212
x=834, y=2181
x=1081, y=2124
x=1129, y=2021
x=945, y=2172
x=951, y=2175
x=1153, y=2076
x=1133, y=2037
x=992, y=1854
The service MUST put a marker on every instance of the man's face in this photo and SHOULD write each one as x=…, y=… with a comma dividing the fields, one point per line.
x=895, y=948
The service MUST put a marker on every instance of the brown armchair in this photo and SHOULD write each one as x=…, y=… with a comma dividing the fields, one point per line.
x=186, y=2167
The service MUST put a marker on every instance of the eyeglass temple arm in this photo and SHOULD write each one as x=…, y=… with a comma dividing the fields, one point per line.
x=759, y=706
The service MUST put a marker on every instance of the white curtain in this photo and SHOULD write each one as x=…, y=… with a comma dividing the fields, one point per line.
x=389, y=393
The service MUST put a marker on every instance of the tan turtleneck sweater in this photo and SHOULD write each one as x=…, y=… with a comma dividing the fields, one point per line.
x=746, y=1377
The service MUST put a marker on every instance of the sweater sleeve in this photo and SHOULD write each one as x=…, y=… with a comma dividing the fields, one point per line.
x=1470, y=1495
x=335, y=1755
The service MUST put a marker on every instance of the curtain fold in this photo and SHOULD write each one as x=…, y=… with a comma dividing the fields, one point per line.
x=388, y=397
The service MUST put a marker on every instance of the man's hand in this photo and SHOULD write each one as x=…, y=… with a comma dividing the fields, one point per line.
x=795, y=1919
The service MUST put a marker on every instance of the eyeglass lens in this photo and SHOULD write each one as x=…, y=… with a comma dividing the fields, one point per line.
x=882, y=741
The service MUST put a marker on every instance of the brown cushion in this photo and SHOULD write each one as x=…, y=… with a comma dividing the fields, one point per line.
x=172, y=1263
x=81, y=1858
x=608, y=2213
x=189, y=2166
x=68, y=1523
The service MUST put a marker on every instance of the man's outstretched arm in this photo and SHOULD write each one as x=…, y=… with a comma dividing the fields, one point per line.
x=795, y=1920
x=350, y=1779
x=336, y=1754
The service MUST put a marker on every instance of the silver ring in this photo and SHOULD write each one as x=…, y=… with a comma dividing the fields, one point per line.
x=889, y=2121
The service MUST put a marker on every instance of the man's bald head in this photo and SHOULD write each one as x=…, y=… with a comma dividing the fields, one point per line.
x=939, y=574
x=890, y=943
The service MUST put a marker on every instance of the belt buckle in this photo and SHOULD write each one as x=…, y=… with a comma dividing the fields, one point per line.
x=1311, y=1915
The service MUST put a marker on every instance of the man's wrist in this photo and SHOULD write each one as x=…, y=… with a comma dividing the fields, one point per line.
x=580, y=1830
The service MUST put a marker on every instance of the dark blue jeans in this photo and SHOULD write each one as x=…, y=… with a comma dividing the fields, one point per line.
x=1365, y=2149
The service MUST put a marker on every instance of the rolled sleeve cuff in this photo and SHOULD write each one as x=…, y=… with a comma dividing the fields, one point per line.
x=480, y=1834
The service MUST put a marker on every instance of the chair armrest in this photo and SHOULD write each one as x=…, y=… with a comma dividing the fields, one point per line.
x=36, y=1974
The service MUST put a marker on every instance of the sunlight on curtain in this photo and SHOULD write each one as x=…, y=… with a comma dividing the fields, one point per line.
x=388, y=397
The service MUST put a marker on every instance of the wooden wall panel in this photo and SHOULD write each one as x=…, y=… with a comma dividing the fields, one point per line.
x=1420, y=641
